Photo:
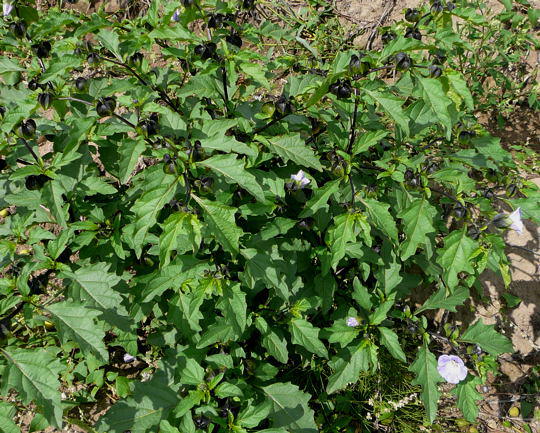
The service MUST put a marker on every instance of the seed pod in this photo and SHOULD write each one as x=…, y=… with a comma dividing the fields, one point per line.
x=81, y=84
x=18, y=29
x=412, y=32
x=403, y=61
x=45, y=100
x=387, y=37
x=42, y=49
x=27, y=128
x=412, y=15
x=93, y=58
x=437, y=7
x=234, y=39
x=435, y=71
x=3, y=164
x=136, y=58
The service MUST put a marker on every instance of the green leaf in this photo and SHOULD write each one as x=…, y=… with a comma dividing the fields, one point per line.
x=340, y=333
x=347, y=368
x=151, y=402
x=487, y=338
x=189, y=371
x=94, y=284
x=234, y=308
x=392, y=106
x=306, y=335
x=339, y=235
x=427, y=376
x=440, y=300
x=274, y=343
x=381, y=312
x=8, y=65
x=263, y=267
x=52, y=196
x=320, y=198
x=290, y=408
x=389, y=339
x=467, y=396
x=110, y=41
x=129, y=151
x=368, y=139
x=34, y=375
x=292, y=148
x=77, y=322
x=435, y=98
x=7, y=415
x=181, y=232
x=460, y=86
x=232, y=169
x=254, y=414
x=380, y=216
x=158, y=189
x=417, y=220
x=455, y=256
x=221, y=223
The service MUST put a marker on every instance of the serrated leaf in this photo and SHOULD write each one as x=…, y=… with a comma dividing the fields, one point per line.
x=454, y=257
x=232, y=169
x=460, y=86
x=348, y=367
x=8, y=65
x=390, y=340
x=381, y=312
x=467, y=396
x=292, y=148
x=189, y=371
x=34, y=375
x=417, y=221
x=320, y=198
x=234, y=308
x=181, y=232
x=76, y=322
x=306, y=335
x=435, y=98
x=110, y=40
x=427, y=376
x=290, y=408
x=392, y=106
x=440, y=300
x=151, y=402
x=129, y=151
x=7, y=415
x=254, y=414
x=487, y=338
x=274, y=343
x=339, y=235
x=380, y=216
x=94, y=284
x=158, y=189
x=340, y=333
x=221, y=223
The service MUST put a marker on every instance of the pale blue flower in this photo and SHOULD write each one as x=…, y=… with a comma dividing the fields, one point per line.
x=451, y=368
x=511, y=221
x=7, y=7
x=352, y=322
x=300, y=179
x=128, y=358
x=176, y=16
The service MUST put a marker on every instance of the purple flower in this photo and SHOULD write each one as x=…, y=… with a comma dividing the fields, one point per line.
x=128, y=358
x=7, y=7
x=451, y=368
x=352, y=322
x=176, y=16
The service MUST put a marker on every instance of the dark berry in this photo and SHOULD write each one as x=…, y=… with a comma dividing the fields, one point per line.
x=42, y=49
x=18, y=29
x=199, y=49
x=34, y=182
x=283, y=106
x=27, y=129
x=45, y=100
x=248, y=4
x=33, y=84
x=387, y=37
x=437, y=7
x=403, y=61
x=188, y=3
x=3, y=164
x=450, y=6
x=81, y=83
x=412, y=15
x=234, y=39
x=460, y=211
x=2, y=110
x=435, y=71
x=136, y=58
x=93, y=58
x=412, y=32
x=201, y=422
x=215, y=21
x=150, y=127
x=105, y=106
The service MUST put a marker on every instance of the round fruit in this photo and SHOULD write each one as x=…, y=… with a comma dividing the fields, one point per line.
x=248, y=4
x=188, y=3
x=460, y=211
x=81, y=83
x=150, y=127
x=215, y=21
x=33, y=84
x=514, y=411
x=34, y=182
x=437, y=7
x=105, y=106
x=3, y=164
x=283, y=106
x=435, y=71
x=234, y=39
x=344, y=91
x=4, y=212
x=268, y=109
x=18, y=29
x=27, y=128
x=137, y=58
x=92, y=58
x=45, y=100
x=387, y=37
x=412, y=15
x=403, y=61
x=412, y=32
x=42, y=49
x=2, y=110
x=465, y=136
x=48, y=325
x=199, y=49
